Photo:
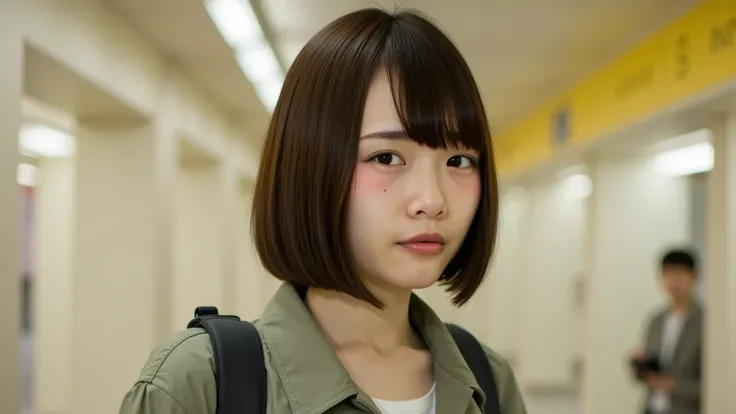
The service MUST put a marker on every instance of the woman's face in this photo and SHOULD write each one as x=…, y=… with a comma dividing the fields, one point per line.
x=410, y=205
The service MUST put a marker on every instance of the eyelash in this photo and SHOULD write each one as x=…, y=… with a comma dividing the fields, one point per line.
x=472, y=160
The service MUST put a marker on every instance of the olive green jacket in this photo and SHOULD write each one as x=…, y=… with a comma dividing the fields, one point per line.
x=305, y=375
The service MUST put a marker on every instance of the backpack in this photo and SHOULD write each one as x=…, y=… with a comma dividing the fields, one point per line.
x=240, y=370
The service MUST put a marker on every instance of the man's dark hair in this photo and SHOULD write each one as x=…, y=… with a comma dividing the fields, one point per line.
x=681, y=258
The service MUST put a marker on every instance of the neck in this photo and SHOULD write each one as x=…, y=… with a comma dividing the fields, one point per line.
x=680, y=305
x=347, y=321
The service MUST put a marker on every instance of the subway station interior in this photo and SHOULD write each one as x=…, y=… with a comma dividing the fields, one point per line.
x=130, y=138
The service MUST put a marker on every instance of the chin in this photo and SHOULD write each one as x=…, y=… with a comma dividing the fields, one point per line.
x=414, y=280
x=404, y=275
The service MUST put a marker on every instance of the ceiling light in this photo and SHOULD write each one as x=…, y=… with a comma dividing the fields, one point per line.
x=258, y=61
x=42, y=141
x=27, y=175
x=692, y=159
x=239, y=26
x=578, y=186
x=235, y=20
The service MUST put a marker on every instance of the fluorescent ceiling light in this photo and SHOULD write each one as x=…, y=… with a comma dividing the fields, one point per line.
x=238, y=24
x=42, y=141
x=258, y=61
x=578, y=186
x=576, y=183
x=692, y=159
x=236, y=21
x=681, y=141
x=27, y=175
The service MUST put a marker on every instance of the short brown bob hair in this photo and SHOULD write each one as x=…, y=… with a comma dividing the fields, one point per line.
x=299, y=216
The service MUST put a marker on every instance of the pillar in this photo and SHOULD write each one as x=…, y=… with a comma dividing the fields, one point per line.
x=590, y=314
x=230, y=227
x=11, y=85
x=55, y=211
x=554, y=245
x=506, y=280
x=251, y=276
x=720, y=285
x=199, y=250
x=120, y=290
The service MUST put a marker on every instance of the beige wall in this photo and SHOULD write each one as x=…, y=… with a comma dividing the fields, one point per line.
x=254, y=284
x=10, y=85
x=506, y=279
x=720, y=342
x=54, y=280
x=637, y=214
x=553, y=239
x=198, y=244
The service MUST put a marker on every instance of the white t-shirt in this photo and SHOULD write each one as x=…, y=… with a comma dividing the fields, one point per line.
x=421, y=405
x=660, y=400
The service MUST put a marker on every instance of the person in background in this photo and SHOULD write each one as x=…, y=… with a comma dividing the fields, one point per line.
x=674, y=338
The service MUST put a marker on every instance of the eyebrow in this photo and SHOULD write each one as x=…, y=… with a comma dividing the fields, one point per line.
x=389, y=134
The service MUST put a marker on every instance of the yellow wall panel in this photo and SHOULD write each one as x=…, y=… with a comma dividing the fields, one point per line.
x=691, y=56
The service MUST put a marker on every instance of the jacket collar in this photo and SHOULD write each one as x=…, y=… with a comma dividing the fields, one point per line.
x=314, y=378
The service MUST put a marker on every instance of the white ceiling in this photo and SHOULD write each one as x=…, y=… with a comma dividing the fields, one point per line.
x=184, y=33
x=522, y=52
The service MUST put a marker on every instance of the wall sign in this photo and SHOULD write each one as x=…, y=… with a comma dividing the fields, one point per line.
x=561, y=127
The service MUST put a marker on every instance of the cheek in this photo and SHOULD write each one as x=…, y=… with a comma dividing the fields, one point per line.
x=367, y=197
x=368, y=182
x=475, y=186
x=475, y=191
x=468, y=188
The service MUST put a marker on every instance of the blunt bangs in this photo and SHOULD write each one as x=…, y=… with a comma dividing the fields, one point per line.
x=299, y=218
x=434, y=91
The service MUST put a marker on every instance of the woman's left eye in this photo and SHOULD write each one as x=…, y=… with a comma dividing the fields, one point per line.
x=461, y=161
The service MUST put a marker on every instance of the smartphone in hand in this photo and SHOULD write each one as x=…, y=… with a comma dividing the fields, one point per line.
x=645, y=365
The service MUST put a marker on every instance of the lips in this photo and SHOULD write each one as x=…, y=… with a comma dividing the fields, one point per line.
x=425, y=244
x=425, y=238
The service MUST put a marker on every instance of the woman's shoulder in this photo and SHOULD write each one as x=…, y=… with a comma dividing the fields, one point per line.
x=500, y=364
x=179, y=373
x=189, y=350
x=509, y=393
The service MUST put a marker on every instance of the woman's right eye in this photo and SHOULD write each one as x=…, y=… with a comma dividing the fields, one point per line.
x=388, y=158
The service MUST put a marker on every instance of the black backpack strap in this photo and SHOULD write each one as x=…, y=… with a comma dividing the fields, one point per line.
x=240, y=370
x=476, y=358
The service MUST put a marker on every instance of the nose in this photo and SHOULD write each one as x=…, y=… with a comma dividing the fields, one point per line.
x=427, y=199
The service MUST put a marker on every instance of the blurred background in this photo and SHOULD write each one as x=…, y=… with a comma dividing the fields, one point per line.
x=130, y=133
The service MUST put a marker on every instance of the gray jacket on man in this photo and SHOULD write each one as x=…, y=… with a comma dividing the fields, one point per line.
x=686, y=365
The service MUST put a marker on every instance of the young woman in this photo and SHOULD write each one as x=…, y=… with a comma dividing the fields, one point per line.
x=377, y=178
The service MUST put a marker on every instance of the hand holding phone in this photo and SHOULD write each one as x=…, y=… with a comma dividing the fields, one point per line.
x=644, y=364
